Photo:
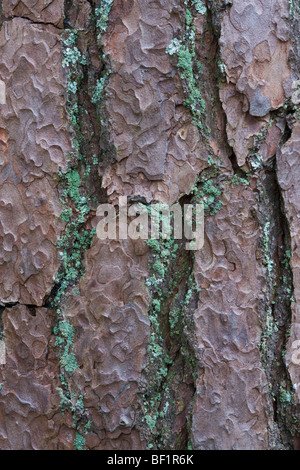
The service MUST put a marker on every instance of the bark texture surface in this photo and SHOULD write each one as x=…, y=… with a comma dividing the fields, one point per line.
x=124, y=344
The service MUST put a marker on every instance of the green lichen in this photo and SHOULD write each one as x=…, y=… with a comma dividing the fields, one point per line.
x=98, y=91
x=64, y=339
x=163, y=252
x=72, y=61
x=199, y=6
x=75, y=240
x=255, y=161
x=164, y=289
x=286, y=397
x=177, y=315
x=209, y=194
x=237, y=180
x=102, y=17
x=190, y=69
x=270, y=328
x=102, y=14
x=269, y=263
x=79, y=442
x=213, y=161
x=71, y=57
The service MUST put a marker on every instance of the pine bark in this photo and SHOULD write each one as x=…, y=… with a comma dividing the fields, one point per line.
x=128, y=344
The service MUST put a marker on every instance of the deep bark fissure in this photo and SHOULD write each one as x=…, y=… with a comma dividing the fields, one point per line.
x=276, y=319
x=176, y=389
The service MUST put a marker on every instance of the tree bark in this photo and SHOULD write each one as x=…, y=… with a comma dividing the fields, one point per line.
x=129, y=344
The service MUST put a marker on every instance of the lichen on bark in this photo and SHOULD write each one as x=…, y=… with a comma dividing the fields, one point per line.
x=133, y=344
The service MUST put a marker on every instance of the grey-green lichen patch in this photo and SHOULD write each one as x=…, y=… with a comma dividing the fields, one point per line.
x=199, y=6
x=171, y=370
x=292, y=8
x=77, y=236
x=190, y=69
x=64, y=339
x=276, y=301
x=102, y=15
x=99, y=89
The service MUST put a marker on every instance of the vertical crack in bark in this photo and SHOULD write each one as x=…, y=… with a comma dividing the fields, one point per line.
x=276, y=311
x=276, y=247
x=169, y=381
x=81, y=193
x=215, y=12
